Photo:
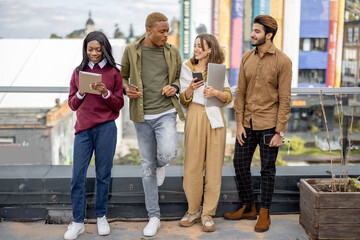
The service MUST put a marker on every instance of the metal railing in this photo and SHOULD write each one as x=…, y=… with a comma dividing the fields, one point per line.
x=301, y=91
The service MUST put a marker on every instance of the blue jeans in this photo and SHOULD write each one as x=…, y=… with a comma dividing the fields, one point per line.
x=100, y=139
x=157, y=140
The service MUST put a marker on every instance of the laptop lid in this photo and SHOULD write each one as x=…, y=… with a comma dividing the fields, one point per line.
x=216, y=79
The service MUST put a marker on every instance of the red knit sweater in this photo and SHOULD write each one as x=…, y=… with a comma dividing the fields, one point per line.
x=94, y=109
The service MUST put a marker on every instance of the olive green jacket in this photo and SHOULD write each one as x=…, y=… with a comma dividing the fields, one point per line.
x=131, y=73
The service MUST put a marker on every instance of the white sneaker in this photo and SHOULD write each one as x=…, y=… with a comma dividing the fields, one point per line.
x=74, y=230
x=160, y=175
x=152, y=227
x=103, y=226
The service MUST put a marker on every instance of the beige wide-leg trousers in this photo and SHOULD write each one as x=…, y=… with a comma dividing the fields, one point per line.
x=204, y=150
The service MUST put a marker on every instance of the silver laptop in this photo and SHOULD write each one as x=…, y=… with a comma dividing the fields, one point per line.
x=216, y=79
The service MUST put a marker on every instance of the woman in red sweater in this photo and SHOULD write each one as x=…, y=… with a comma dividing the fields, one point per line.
x=95, y=130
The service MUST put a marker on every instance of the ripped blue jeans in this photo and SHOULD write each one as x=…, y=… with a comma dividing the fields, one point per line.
x=157, y=141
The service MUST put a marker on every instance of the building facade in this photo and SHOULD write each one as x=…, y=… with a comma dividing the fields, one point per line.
x=351, y=54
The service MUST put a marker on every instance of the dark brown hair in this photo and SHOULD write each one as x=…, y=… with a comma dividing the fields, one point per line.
x=216, y=55
x=269, y=24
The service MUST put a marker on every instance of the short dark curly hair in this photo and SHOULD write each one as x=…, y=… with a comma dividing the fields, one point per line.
x=153, y=18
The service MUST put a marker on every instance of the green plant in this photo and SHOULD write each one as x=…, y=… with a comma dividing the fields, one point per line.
x=92, y=161
x=297, y=145
x=315, y=129
x=280, y=161
x=133, y=158
x=356, y=127
x=354, y=184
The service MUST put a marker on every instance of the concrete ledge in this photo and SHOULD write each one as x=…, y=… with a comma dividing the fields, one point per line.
x=35, y=192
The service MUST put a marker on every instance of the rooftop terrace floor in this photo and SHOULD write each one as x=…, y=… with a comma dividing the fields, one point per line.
x=282, y=227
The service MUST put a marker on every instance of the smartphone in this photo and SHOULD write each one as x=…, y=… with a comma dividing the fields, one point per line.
x=132, y=87
x=197, y=75
x=267, y=138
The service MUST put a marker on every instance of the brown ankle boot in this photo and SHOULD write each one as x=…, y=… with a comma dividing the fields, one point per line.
x=264, y=220
x=239, y=214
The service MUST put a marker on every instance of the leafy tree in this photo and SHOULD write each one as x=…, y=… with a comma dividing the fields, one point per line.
x=53, y=35
x=131, y=31
x=118, y=33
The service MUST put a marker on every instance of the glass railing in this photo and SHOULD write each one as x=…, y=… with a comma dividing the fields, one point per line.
x=36, y=127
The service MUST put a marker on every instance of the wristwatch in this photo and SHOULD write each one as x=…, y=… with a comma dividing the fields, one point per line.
x=281, y=134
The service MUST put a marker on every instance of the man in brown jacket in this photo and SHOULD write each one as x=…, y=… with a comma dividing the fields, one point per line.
x=262, y=107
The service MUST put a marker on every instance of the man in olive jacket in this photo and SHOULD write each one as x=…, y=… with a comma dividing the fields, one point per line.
x=151, y=71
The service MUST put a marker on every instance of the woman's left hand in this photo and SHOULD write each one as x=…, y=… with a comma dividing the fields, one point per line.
x=100, y=87
x=209, y=92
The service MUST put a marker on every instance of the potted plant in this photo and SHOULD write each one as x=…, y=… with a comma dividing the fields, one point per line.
x=330, y=208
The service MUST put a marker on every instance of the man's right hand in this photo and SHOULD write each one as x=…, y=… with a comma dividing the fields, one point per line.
x=132, y=93
x=240, y=132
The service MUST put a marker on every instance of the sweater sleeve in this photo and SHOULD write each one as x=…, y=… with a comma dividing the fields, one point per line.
x=116, y=99
x=73, y=101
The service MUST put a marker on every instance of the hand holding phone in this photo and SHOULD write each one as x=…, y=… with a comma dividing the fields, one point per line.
x=132, y=87
x=132, y=91
x=197, y=75
x=267, y=138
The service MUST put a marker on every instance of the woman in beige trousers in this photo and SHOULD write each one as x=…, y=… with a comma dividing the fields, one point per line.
x=205, y=133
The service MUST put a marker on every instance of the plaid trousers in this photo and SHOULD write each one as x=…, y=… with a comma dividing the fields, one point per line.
x=242, y=162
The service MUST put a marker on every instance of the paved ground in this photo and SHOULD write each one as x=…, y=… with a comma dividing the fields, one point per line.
x=282, y=227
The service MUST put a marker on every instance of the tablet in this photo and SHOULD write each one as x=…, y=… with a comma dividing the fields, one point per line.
x=85, y=79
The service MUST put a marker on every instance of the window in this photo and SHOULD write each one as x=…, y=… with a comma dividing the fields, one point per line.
x=306, y=45
x=350, y=54
x=350, y=68
x=312, y=76
x=7, y=140
x=319, y=44
x=356, y=34
x=349, y=34
x=349, y=63
x=313, y=44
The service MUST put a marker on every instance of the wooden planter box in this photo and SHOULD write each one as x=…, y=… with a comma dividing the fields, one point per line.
x=329, y=215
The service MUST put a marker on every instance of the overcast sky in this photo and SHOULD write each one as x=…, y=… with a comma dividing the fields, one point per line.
x=41, y=18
